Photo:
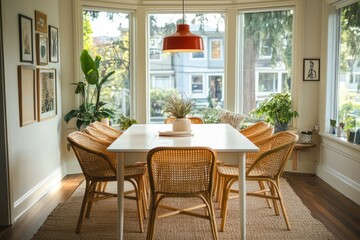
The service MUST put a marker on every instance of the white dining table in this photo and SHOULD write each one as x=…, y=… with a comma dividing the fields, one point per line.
x=134, y=144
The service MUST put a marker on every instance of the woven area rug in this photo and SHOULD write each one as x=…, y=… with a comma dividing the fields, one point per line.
x=261, y=221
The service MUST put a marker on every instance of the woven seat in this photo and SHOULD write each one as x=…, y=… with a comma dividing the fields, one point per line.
x=110, y=131
x=194, y=120
x=177, y=173
x=267, y=167
x=99, y=166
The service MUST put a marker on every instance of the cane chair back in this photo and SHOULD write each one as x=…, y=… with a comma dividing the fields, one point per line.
x=181, y=172
x=93, y=131
x=110, y=131
x=261, y=134
x=99, y=167
x=254, y=128
x=194, y=120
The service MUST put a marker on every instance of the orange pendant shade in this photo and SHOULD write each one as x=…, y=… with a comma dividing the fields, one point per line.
x=183, y=41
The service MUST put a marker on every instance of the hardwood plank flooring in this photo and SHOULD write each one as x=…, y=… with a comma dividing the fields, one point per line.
x=340, y=215
x=28, y=224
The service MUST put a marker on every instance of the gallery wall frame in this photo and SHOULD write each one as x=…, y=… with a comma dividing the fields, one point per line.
x=41, y=22
x=26, y=39
x=27, y=94
x=46, y=93
x=53, y=44
x=41, y=49
x=311, y=69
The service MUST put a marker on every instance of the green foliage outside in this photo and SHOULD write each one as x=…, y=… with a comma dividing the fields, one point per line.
x=115, y=54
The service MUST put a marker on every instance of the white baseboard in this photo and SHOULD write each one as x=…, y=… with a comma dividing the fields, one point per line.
x=31, y=197
x=340, y=182
x=302, y=167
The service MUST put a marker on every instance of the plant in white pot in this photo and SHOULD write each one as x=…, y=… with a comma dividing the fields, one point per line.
x=179, y=107
x=277, y=110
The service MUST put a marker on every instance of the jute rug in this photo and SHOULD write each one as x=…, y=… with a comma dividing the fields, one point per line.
x=261, y=221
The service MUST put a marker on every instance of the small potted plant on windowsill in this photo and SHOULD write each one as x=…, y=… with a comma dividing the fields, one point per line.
x=179, y=107
x=276, y=110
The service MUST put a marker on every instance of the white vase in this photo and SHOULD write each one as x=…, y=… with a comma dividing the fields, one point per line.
x=181, y=124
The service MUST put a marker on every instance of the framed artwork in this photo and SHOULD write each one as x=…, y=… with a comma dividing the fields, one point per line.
x=40, y=22
x=27, y=94
x=311, y=70
x=46, y=94
x=26, y=39
x=54, y=44
x=41, y=49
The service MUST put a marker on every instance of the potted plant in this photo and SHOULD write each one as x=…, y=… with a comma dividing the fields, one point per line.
x=125, y=122
x=276, y=110
x=91, y=108
x=179, y=107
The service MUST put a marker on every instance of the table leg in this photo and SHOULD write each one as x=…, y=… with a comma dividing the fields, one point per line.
x=120, y=191
x=242, y=193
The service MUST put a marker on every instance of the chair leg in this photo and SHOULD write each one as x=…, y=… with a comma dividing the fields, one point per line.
x=211, y=211
x=152, y=218
x=83, y=206
x=227, y=187
x=262, y=187
x=274, y=194
x=277, y=188
x=91, y=196
x=138, y=202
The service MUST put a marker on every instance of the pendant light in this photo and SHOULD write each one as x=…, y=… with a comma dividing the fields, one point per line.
x=183, y=40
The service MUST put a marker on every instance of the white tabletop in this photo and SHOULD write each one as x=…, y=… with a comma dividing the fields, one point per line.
x=220, y=137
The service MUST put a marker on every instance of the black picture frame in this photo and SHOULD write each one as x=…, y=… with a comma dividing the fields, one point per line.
x=53, y=44
x=311, y=70
x=26, y=39
x=41, y=49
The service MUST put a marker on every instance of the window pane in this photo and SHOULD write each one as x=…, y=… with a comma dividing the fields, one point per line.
x=348, y=84
x=197, y=75
x=267, y=55
x=107, y=34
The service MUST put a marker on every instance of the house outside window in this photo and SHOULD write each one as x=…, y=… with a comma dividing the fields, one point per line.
x=216, y=50
x=190, y=72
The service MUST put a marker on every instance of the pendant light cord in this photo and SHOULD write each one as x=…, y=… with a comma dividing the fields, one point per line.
x=183, y=8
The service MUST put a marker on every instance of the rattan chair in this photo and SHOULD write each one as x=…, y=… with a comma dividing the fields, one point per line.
x=98, y=167
x=194, y=120
x=178, y=173
x=254, y=128
x=267, y=167
x=110, y=131
x=259, y=132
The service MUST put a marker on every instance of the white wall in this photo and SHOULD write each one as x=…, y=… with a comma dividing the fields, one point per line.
x=35, y=159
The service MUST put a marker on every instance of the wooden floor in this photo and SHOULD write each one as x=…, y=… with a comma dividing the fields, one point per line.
x=340, y=215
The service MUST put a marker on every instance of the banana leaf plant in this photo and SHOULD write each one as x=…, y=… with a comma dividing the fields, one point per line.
x=92, y=108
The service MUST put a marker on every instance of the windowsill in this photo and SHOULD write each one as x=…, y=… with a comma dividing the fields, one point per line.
x=340, y=140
